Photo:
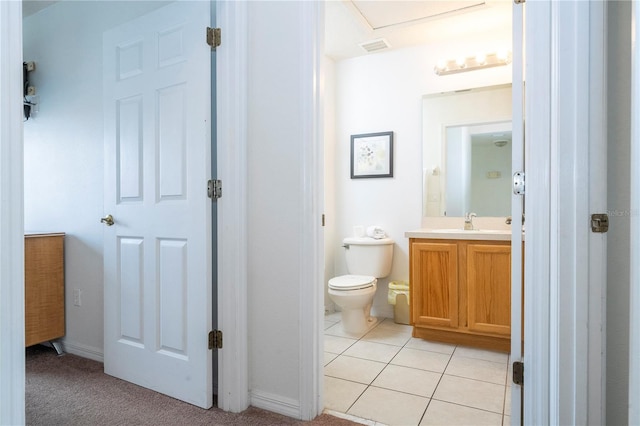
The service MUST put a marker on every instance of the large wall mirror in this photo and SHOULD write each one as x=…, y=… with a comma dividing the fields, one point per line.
x=467, y=152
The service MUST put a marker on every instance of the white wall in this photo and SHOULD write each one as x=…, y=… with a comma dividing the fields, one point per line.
x=618, y=204
x=383, y=92
x=63, y=144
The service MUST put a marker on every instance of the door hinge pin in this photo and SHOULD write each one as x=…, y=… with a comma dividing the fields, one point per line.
x=518, y=373
x=214, y=189
x=214, y=37
x=215, y=339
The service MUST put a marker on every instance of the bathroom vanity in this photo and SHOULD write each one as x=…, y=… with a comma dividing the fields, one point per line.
x=460, y=287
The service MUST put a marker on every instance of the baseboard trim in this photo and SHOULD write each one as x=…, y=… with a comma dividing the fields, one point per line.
x=276, y=403
x=83, y=351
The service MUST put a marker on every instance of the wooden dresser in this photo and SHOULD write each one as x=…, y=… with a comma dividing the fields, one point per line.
x=44, y=287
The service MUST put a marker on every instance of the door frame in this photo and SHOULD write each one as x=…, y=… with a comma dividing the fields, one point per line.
x=564, y=317
x=311, y=271
x=231, y=131
x=12, y=367
x=517, y=202
x=634, y=311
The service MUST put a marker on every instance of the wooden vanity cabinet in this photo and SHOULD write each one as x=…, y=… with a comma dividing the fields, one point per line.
x=44, y=287
x=461, y=291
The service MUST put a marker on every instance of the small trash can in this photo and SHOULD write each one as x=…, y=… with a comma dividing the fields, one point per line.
x=399, y=297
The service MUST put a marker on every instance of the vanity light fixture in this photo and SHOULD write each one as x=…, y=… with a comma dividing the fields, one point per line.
x=472, y=63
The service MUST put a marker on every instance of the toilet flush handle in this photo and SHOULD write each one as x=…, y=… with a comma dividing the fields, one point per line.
x=346, y=246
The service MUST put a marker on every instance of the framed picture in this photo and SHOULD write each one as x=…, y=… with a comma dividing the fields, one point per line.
x=372, y=155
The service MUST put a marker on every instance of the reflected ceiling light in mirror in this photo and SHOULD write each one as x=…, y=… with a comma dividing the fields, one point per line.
x=472, y=63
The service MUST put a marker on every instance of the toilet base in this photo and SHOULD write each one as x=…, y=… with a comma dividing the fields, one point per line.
x=354, y=322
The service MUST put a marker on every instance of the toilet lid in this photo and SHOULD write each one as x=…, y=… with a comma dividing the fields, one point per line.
x=351, y=282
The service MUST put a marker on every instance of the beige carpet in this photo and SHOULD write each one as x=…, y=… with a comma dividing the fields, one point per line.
x=70, y=390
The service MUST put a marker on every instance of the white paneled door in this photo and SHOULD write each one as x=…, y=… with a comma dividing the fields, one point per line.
x=157, y=253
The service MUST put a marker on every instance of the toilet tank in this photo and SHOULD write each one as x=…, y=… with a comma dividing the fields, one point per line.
x=369, y=256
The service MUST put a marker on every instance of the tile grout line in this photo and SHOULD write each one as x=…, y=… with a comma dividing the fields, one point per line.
x=466, y=406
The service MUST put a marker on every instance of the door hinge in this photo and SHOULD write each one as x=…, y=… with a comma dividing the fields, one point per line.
x=519, y=1
x=214, y=189
x=518, y=183
x=323, y=219
x=599, y=222
x=215, y=339
x=518, y=373
x=214, y=37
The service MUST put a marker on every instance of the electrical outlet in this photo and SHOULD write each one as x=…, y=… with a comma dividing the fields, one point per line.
x=31, y=66
x=77, y=297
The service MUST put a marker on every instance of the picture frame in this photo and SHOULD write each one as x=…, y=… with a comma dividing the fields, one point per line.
x=372, y=155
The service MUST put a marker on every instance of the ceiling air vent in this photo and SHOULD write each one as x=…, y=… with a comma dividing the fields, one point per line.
x=375, y=45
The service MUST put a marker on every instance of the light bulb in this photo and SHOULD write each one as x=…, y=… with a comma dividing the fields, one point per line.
x=502, y=55
x=461, y=62
x=481, y=58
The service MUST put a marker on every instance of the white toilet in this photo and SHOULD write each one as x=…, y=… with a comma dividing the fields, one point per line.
x=367, y=260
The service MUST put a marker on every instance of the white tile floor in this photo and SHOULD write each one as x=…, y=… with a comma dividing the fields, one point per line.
x=385, y=376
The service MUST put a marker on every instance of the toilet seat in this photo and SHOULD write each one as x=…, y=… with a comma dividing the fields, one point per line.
x=351, y=282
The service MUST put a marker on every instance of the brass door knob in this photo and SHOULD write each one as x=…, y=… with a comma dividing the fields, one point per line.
x=108, y=220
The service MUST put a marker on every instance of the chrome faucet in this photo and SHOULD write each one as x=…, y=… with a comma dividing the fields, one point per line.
x=468, y=221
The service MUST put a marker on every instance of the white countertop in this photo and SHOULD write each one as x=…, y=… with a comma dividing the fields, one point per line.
x=42, y=234
x=460, y=234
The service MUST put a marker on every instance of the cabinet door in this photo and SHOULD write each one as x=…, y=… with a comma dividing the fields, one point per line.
x=489, y=288
x=434, y=284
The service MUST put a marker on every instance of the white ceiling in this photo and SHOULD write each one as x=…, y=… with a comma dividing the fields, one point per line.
x=407, y=23
x=382, y=14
